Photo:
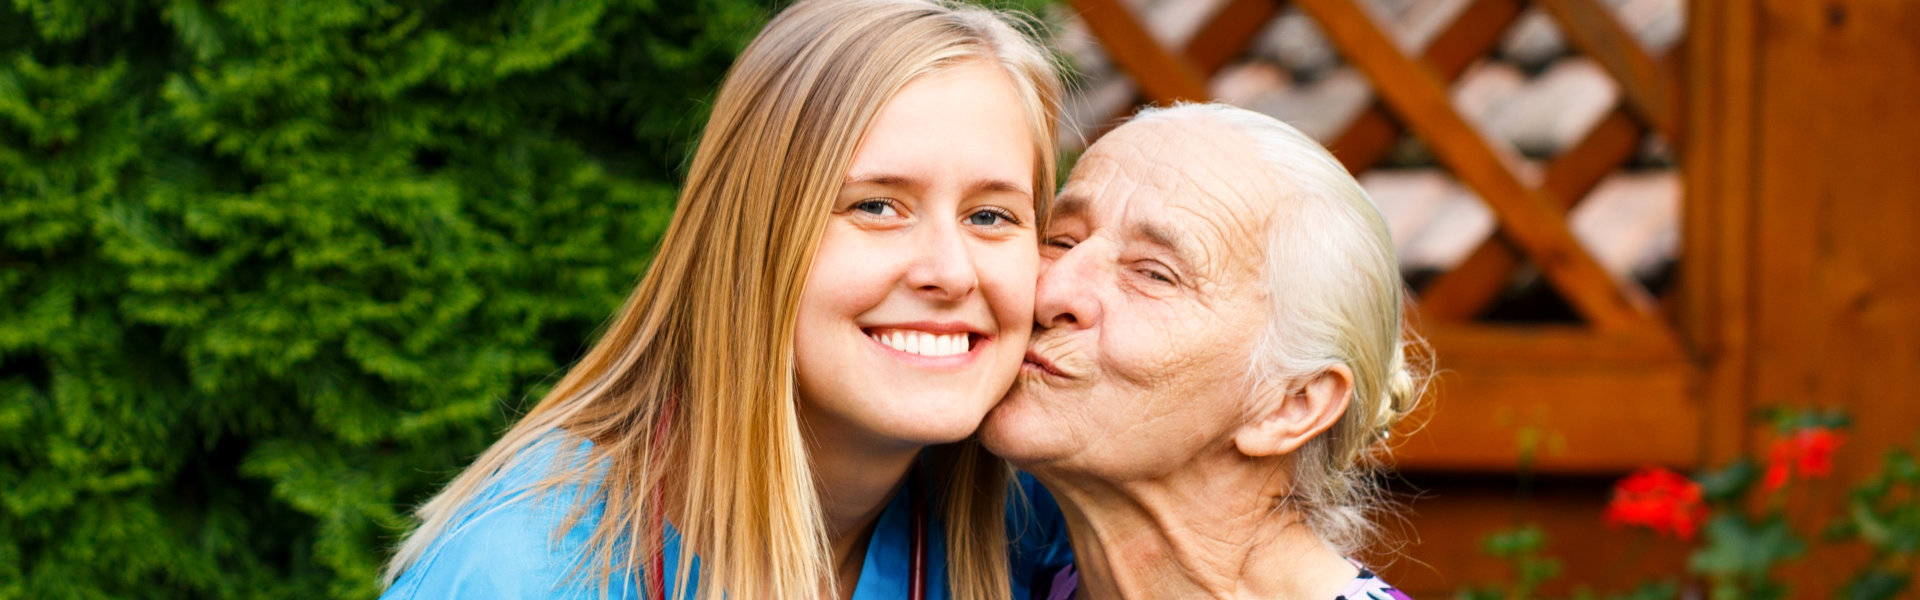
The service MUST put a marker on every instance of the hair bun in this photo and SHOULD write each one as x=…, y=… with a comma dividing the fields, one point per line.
x=1401, y=393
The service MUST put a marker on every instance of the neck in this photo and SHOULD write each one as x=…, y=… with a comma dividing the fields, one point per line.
x=855, y=481
x=1198, y=533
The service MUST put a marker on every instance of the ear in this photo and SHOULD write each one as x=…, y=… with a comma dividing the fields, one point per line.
x=1279, y=426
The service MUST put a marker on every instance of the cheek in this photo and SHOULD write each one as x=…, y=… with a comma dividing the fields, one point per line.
x=846, y=279
x=1007, y=275
x=1141, y=347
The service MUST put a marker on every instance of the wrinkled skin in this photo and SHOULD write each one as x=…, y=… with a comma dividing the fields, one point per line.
x=1148, y=303
x=1137, y=405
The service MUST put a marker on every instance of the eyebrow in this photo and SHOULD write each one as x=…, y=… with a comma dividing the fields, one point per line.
x=1180, y=245
x=1069, y=206
x=972, y=187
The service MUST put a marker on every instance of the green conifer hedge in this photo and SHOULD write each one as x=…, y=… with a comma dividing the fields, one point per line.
x=273, y=270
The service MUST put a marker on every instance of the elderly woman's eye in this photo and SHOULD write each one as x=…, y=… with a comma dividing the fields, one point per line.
x=1155, y=271
x=878, y=207
x=1059, y=241
x=990, y=217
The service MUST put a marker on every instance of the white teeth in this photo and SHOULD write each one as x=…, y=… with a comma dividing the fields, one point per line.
x=923, y=343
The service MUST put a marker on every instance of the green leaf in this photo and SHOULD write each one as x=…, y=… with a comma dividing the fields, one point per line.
x=1728, y=483
x=1738, y=548
x=1651, y=590
x=1875, y=584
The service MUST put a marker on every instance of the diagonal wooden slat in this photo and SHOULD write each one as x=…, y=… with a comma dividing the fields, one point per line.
x=1226, y=34
x=1471, y=286
x=1533, y=221
x=1475, y=31
x=1647, y=83
x=1462, y=292
x=1163, y=77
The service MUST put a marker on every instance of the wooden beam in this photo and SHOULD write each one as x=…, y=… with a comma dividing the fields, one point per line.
x=1226, y=34
x=1529, y=218
x=1599, y=402
x=1163, y=77
x=1591, y=418
x=1717, y=240
x=1467, y=289
x=1538, y=343
x=1646, y=83
x=1475, y=31
x=1223, y=37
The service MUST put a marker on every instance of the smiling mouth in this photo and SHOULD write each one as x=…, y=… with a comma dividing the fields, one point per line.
x=921, y=343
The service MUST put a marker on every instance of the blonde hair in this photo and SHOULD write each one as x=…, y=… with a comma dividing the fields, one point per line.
x=689, y=398
x=1335, y=295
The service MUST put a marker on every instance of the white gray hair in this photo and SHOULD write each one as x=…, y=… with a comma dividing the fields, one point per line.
x=1335, y=295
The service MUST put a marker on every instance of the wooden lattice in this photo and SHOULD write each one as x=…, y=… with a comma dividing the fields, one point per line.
x=1625, y=371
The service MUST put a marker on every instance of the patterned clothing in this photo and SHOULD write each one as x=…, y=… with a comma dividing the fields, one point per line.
x=1368, y=586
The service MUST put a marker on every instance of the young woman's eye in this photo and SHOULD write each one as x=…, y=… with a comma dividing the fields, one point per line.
x=989, y=217
x=877, y=207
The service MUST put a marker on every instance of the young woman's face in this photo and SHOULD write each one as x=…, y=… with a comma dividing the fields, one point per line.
x=915, y=317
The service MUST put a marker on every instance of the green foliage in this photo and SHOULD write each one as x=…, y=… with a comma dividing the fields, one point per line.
x=271, y=272
x=1787, y=419
x=1884, y=512
x=1740, y=554
x=1652, y=590
x=1744, y=544
x=1729, y=484
x=1522, y=549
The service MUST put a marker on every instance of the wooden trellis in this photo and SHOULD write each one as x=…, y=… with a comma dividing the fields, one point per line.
x=1626, y=374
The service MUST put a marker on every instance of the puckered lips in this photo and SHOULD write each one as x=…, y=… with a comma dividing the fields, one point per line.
x=930, y=344
x=1040, y=364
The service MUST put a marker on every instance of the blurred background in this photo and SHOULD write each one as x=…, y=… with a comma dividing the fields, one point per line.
x=271, y=272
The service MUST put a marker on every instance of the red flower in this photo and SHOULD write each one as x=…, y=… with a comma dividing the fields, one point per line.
x=1808, y=451
x=1776, y=477
x=1658, y=499
x=1816, y=450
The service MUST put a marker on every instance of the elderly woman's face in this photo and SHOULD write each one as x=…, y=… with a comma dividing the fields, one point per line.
x=1148, y=305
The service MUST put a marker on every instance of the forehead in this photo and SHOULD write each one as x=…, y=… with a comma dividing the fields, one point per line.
x=1184, y=173
x=965, y=122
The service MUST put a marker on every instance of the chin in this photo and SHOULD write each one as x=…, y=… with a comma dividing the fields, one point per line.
x=939, y=421
x=1016, y=432
x=934, y=434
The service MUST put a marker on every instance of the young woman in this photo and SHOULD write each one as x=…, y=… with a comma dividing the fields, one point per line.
x=783, y=407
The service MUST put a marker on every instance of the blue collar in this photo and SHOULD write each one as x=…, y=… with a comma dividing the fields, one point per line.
x=887, y=572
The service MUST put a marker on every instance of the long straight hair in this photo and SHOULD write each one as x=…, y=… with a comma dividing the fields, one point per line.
x=689, y=398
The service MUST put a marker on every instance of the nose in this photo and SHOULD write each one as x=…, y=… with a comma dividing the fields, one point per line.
x=942, y=269
x=1064, y=296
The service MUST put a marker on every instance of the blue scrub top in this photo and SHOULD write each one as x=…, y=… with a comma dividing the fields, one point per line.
x=504, y=547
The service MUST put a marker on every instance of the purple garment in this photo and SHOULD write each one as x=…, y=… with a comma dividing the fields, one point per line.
x=1064, y=584
x=1365, y=586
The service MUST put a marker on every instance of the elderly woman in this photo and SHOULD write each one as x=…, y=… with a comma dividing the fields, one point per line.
x=1217, y=352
